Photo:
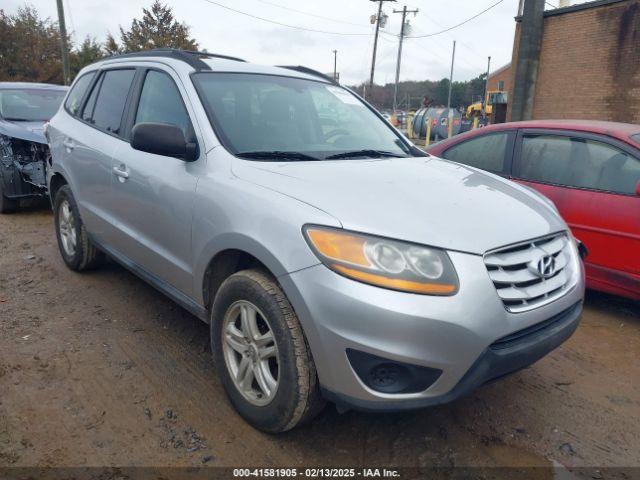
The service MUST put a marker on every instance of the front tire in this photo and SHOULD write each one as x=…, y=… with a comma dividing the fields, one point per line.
x=261, y=354
x=76, y=248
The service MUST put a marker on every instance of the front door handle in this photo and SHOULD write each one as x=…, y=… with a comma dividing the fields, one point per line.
x=121, y=173
x=68, y=144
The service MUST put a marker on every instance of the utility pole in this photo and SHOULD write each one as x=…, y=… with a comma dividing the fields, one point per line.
x=453, y=57
x=404, y=12
x=450, y=112
x=375, y=38
x=335, y=65
x=66, y=73
x=485, y=101
x=526, y=68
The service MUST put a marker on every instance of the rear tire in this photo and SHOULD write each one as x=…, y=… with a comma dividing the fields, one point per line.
x=76, y=248
x=7, y=205
x=295, y=398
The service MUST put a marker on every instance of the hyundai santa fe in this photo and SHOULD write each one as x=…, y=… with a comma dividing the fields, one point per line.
x=332, y=259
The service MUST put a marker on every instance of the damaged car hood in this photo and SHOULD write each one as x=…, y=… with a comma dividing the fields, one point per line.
x=423, y=200
x=30, y=131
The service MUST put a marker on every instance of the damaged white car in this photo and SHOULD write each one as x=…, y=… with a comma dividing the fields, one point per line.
x=24, y=153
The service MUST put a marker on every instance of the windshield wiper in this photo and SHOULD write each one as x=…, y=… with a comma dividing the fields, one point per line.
x=364, y=153
x=276, y=155
x=13, y=119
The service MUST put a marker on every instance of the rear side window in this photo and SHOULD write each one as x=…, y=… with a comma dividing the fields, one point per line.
x=111, y=98
x=74, y=99
x=578, y=162
x=486, y=152
x=87, y=112
x=160, y=102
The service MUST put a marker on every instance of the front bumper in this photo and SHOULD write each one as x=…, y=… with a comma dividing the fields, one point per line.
x=456, y=335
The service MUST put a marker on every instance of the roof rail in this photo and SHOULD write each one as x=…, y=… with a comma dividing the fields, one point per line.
x=309, y=71
x=192, y=58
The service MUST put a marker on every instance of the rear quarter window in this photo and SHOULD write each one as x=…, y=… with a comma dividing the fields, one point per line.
x=74, y=99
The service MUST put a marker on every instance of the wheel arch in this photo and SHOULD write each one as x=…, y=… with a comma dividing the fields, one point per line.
x=232, y=254
x=57, y=180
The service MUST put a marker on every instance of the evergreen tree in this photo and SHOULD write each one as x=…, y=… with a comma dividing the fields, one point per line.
x=157, y=28
x=89, y=51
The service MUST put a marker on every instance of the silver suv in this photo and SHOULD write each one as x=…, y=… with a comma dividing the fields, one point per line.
x=331, y=258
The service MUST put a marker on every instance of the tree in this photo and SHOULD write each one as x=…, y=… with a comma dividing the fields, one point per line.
x=29, y=47
x=89, y=51
x=111, y=46
x=158, y=28
x=462, y=93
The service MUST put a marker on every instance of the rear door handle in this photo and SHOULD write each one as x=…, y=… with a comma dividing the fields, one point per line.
x=121, y=172
x=68, y=144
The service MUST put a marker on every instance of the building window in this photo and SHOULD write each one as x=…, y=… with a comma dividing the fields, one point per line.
x=500, y=85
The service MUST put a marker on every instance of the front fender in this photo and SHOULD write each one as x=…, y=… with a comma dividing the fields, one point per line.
x=230, y=213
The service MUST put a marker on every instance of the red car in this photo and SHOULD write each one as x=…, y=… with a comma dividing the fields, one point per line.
x=591, y=171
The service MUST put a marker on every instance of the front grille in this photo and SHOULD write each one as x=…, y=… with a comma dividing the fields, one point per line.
x=515, y=274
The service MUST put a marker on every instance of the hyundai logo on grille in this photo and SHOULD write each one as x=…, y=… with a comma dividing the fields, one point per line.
x=546, y=266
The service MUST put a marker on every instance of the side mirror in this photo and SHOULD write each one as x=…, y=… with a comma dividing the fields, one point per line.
x=163, y=139
x=582, y=250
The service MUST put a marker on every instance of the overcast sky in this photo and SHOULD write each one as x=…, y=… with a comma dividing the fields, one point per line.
x=223, y=31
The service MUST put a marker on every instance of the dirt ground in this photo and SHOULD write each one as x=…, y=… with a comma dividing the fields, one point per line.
x=100, y=369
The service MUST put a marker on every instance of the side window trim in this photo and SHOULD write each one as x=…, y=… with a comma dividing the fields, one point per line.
x=507, y=161
x=131, y=105
x=517, y=157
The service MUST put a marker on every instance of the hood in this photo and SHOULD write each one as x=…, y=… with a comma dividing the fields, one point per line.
x=423, y=200
x=30, y=131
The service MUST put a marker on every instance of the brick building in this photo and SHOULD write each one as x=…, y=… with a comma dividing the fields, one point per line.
x=589, y=62
x=500, y=79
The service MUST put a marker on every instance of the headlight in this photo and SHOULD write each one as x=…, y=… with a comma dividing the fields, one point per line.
x=382, y=262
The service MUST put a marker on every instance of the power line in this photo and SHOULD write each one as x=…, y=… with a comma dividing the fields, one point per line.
x=311, y=14
x=283, y=24
x=459, y=24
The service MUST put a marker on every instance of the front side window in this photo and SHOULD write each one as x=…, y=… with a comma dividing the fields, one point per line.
x=578, y=162
x=486, y=152
x=111, y=98
x=29, y=104
x=160, y=102
x=74, y=99
x=266, y=113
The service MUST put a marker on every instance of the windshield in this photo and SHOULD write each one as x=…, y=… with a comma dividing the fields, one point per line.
x=266, y=116
x=29, y=105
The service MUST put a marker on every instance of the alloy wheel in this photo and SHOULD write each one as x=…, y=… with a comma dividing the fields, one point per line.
x=67, y=228
x=250, y=352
